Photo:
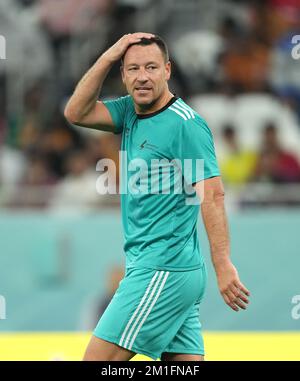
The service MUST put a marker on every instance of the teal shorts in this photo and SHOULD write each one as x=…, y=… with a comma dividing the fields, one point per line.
x=153, y=312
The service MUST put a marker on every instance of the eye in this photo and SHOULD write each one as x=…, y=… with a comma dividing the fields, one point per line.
x=132, y=68
x=151, y=67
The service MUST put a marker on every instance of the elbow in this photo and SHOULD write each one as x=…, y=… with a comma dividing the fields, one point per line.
x=219, y=198
x=213, y=198
x=70, y=115
x=219, y=195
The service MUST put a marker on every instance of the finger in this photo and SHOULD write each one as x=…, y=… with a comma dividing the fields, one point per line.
x=228, y=302
x=236, y=304
x=139, y=36
x=135, y=39
x=240, y=286
x=243, y=298
x=239, y=294
x=144, y=34
x=233, y=307
x=240, y=304
x=236, y=297
x=235, y=300
x=231, y=296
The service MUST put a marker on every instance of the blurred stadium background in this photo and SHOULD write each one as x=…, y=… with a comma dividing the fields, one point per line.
x=61, y=242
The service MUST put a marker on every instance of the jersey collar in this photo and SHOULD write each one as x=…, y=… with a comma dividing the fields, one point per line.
x=144, y=116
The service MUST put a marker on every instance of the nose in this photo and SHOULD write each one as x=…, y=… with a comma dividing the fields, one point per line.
x=142, y=75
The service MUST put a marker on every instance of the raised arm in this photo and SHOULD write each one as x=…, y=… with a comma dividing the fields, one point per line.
x=234, y=293
x=83, y=108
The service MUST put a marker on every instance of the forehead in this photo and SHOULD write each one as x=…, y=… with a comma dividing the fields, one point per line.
x=141, y=54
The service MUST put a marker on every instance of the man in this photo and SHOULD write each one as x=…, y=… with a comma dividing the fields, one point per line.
x=155, y=309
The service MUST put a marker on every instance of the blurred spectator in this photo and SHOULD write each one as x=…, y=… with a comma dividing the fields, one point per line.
x=65, y=17
x=29, y=55
x=33, y=118
x=275, y=22
x=94, y=308
x=102, y=145
x=113, y=280
x=237, y=164
x=272, y=19
x=12, y=166
x=57, y=141
x=196, y=54
x=276, y=164
x=77, y=191
x=285, y=74
x=38, y=173
x=230, y=31
x=34, y=189
x=246, y=65
x=74, y=28
x=3, y=119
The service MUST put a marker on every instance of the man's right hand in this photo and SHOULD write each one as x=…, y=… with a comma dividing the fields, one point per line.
x=116, y=51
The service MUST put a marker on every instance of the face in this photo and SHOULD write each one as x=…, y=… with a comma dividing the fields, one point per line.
x=145, y=74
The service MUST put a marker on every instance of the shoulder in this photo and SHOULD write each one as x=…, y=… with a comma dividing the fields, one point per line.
x=180, y=111
x=121, y=106
x=120, y=102
x=187, y=118
x=127, y=99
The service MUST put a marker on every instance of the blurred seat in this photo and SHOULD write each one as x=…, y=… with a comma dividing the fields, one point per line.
x=249, y=114
x=254, y=111
x=216, y=109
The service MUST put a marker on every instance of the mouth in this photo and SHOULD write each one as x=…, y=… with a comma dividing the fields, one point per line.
x=143, y=89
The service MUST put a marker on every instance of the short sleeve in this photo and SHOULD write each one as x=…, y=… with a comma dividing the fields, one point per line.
x=196, y=151
x=117, y=109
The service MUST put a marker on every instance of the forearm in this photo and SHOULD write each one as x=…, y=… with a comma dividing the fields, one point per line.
x=83, y=108
x=88, y=89
x=216, y=225
x=234, y=293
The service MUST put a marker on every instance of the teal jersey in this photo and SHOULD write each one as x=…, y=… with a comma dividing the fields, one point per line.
x=159, y=212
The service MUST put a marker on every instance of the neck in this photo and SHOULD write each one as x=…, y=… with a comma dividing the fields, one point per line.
x=155, y=105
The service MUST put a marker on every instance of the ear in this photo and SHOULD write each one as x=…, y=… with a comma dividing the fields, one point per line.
x=122, y=73
x=168, y=70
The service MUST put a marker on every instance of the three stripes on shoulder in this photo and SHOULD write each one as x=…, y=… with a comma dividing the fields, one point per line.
x=182, y=110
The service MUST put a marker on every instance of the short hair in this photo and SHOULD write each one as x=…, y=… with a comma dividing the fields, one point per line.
x=228, y=131
x=149, y=41
x=270, y=127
